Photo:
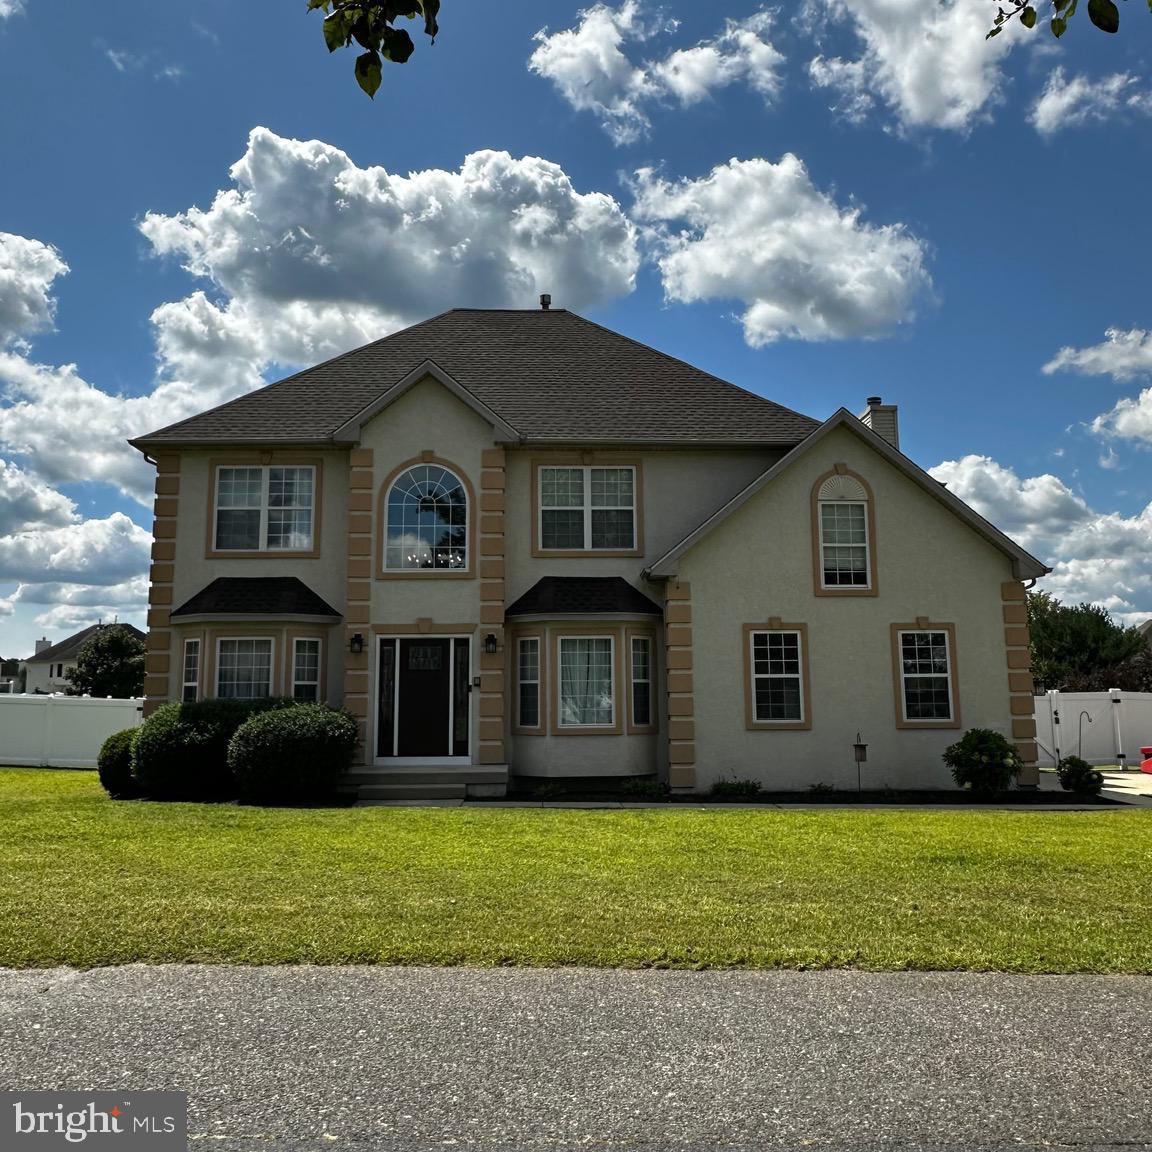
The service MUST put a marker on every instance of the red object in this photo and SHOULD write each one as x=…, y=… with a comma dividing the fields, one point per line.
x=1146, y=763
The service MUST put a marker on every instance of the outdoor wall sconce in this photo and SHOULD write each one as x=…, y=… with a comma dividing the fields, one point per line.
x=356, y=644
x=490, y=643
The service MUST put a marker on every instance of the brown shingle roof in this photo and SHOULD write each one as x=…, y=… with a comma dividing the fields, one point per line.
x=550, y=375
x=256, y=596
x=591, y=595
x=65, y=649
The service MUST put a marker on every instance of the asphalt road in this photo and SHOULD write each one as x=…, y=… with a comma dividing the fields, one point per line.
x=386, y=1058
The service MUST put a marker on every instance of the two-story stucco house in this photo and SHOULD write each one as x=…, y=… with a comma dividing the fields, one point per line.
x=518, y=542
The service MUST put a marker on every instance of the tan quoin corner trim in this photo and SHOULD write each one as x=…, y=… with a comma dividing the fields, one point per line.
x=1018, y=657
x=679, y=687
x=357, y=614
x=159, y=663
x=489, y=563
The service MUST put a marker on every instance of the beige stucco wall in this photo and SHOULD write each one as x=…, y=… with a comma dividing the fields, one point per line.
x=680, y=489
x=758, y=564
x=325, y=573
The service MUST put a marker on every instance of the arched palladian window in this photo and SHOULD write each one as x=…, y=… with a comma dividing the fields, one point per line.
x=427, y=520
x=845, y=549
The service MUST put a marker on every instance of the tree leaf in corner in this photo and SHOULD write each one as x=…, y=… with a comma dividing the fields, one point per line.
x=368, y=72
x=1104, y=14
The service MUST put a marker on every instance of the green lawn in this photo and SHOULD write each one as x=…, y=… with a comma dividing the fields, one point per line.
x=87, y=881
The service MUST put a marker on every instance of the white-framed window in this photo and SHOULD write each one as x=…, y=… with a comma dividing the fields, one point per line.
x=587, y=688
x=641, y=655
x=427, y=516
x=588, y=509
x=925, y=674
x=306, y=669
x=844, y=561
x=190, y=679
x=528, y=664
x=244, y=667
x=261, y=508
x=777, y=677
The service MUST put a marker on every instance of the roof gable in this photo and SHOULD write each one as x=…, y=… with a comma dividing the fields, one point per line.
x=65, y=649
x=1024, y=564
x=547, y=376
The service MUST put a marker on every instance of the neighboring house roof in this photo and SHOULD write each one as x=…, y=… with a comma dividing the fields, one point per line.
x=583, y=595
x=256, y=596
x=545, y=375
x=1025, y=566
x=65, y=650
x=1145, y=630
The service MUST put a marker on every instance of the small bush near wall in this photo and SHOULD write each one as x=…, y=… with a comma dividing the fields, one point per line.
x=736, y=789
x=1078, y=775
x=114, y=765
x=292, y=755
x=983, y=760
x=181, y=752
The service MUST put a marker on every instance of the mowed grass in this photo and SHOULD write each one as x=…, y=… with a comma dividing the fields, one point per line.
x=88, y=881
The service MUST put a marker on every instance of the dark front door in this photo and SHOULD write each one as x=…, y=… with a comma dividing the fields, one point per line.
x=425, y=697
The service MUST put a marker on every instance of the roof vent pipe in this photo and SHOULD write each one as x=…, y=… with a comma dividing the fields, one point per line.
x=545, y=301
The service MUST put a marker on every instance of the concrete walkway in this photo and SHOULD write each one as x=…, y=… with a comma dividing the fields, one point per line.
x=530, y=1059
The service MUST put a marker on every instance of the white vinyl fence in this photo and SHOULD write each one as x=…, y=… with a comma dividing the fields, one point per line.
x=1100, y=727
x=61, y=731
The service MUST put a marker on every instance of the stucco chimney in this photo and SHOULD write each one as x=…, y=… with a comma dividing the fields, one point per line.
x=881, y=418
x=42, y=645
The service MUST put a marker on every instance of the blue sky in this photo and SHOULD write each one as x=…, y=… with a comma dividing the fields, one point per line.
x=863, y=198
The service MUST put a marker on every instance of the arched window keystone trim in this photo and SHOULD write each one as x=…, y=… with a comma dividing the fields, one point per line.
x=426, y=521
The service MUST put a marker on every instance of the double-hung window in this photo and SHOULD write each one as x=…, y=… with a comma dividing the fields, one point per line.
x=925, y=675
x=260, y=508
x=244, y=668
x=306, y=669
x=587, y=688
x=190, y=683
x=777, y=675
x=843, y=535
x=528, y=663
x=641, y=655
x=588, y=509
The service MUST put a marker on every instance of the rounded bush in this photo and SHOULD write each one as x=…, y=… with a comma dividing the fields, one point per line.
x=181, y=752
x=1078, y=775
x=982, y=760
x=114, y=765
x=292, y=755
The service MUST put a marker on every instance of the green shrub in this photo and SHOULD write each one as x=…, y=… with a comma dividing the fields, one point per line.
x=549, y=790
x=181, y=752
x=644, y=788
x=293, y=754
x=1078, y=775
x=114, y=765
x=983, y=760
x=736, y=789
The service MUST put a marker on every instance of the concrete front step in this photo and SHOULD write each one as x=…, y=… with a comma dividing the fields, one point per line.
x=413, y=792
x=467, y=775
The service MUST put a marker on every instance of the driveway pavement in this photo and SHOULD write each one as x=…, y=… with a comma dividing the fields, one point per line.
x=415, y=1059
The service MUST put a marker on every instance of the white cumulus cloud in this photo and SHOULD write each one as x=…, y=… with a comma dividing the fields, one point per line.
x=98, y=551
x=593, y=72
x=27, y=269
x=315, y=254
x=26, y=502
x=926, y=61
x=1098, y=558
x=10, y=8
x=802, y=265
x=1071, y=103
x=1123, y=355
